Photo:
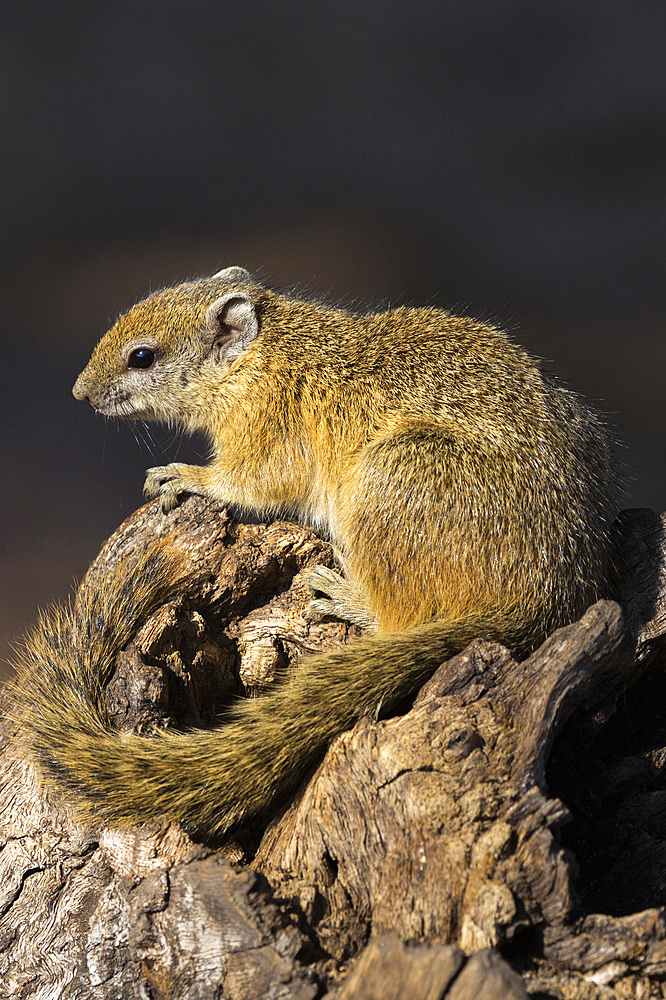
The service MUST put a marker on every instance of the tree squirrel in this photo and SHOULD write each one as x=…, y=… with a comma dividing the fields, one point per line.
x=468, y=494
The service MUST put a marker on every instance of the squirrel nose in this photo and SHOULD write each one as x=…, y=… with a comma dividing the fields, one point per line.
x=79, y=390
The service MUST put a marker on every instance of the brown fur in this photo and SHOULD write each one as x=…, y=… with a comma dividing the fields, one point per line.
x=467, y=492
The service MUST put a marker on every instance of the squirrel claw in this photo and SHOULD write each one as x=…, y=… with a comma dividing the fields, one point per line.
x=168, y=498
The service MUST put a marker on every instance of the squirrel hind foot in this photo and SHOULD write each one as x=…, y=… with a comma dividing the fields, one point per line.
x=341, y=599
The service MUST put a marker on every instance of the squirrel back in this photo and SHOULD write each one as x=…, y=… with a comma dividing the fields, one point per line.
x=468, y=493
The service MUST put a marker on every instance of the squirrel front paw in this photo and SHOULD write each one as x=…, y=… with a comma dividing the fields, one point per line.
x=168, y=482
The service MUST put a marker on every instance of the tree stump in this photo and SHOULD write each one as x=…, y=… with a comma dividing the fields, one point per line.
x=503, y=836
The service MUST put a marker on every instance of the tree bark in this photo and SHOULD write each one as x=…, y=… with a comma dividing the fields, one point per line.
x=504, y=836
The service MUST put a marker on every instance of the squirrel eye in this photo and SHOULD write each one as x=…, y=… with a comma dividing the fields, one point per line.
x=142, y=357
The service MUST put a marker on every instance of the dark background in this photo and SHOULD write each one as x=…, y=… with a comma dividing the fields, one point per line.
x=503, y=158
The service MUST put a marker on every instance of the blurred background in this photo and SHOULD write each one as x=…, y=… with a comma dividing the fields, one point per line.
x=503, y=158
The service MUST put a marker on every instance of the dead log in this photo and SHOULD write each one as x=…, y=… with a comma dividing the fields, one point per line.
x=423, y=847
x=439, y=822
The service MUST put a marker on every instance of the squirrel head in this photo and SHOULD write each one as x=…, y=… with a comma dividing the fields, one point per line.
x=144, y=366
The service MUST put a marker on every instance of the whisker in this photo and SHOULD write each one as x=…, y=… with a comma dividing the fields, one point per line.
x=144, y=435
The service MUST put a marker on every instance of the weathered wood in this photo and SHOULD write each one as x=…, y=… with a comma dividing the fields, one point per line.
x=138, y=913
x=642, y=578
x=438, y=824
x=420, y=839
x=389, y=969
x=607, y=948
x=93, y=912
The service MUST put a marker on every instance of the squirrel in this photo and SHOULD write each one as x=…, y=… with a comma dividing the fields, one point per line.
x=468, y=493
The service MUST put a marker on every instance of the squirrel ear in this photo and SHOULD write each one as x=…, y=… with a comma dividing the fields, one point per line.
x=232, y=325
x=233, y=274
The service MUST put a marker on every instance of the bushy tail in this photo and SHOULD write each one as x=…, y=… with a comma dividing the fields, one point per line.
x=209, y=780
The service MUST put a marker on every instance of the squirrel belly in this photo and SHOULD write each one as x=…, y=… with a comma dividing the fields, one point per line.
x=468, y=493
